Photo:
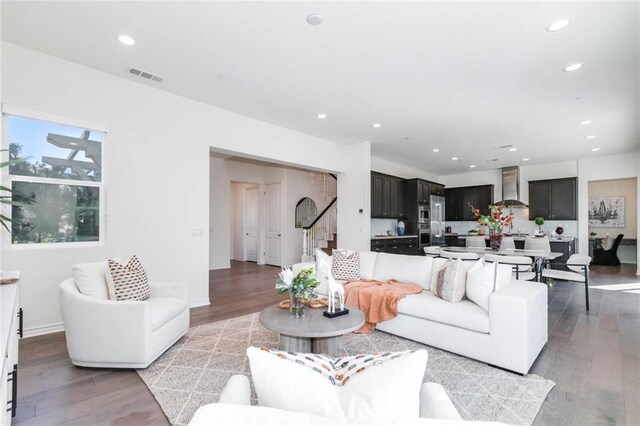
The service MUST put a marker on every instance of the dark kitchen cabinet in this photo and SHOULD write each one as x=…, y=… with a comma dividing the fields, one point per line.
x=387, y=196
x=395, y=245
x=553, y=199
x=458, y=201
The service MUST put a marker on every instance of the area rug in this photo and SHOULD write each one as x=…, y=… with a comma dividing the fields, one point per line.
x=194, y=371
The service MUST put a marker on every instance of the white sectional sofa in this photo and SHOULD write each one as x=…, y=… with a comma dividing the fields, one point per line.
x=509, y=335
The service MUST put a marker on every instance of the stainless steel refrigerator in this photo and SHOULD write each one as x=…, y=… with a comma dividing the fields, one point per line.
x=437, y=220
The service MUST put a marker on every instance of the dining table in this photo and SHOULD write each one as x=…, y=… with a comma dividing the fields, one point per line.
x=539, y=256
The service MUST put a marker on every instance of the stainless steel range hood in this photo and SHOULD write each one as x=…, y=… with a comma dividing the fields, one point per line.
x=511, y=189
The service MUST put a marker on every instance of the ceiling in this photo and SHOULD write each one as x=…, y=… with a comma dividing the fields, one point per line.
x=462, y=77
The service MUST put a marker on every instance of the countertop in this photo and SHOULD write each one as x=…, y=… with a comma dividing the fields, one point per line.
x=389, y=237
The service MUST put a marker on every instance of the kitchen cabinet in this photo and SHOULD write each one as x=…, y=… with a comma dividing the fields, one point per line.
x=387, y=196
x=457, y=201
x=395, y=245
x=553, y=199
x=419, y=191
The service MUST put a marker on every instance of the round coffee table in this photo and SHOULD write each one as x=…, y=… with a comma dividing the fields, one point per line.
x=313, y=333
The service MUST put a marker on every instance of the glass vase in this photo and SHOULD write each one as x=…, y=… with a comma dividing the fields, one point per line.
x=297, y=306
x=495, y=240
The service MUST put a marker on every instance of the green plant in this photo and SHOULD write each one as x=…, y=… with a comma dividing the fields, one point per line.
x=7, y=196
x=539, y=221
x=302, y=285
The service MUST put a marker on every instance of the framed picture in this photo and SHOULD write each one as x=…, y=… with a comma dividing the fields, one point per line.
x=606, y=212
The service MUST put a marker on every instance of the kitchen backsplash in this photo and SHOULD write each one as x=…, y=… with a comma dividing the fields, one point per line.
x=381, y=226
x=522, y=224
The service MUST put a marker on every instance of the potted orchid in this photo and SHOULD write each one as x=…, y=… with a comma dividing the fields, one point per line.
x=301, y=287
x=496, y=220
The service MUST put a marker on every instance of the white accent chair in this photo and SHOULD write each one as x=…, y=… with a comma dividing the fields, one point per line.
x=521, y=265
x=234, y=407
x=458, y=255
x=477, y=242
x=579, y=272
x=123, y=334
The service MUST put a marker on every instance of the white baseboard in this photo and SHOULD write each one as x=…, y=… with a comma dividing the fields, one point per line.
x=220, y=267
x=43, y=329
x=199, y=302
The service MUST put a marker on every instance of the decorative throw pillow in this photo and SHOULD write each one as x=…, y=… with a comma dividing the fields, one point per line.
x=91, y=278
x=128, y=282
x=482, y=280
x=438, y=264
x=345, y=267
x=340, y=387
x=451, y=282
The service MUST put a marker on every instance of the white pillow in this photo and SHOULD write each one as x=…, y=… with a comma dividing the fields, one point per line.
x=438, y=263
x=389, y=389
x=91, y=278
x=485, y=278
x=451, y=282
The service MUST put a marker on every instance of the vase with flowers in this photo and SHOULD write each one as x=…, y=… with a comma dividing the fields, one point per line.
x=496, y=221
x=301, y=287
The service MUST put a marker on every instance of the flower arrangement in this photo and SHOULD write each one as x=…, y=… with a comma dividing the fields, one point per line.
x=300, y=287
x=495, y=221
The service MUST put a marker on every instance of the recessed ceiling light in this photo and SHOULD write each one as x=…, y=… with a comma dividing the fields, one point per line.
x=591, y=137
x=513, y=149
x=321, y=116
x=595, y=149
x=125, y=39
x=558, y=25
x=473, y=166
x=525, y=159
x=435, y=150
x=573, y=67
x=582, y=123
x=377, y=125
x=454, y=158
x=314, y=19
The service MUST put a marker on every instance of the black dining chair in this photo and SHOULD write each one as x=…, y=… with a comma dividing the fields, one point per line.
x=607, y=257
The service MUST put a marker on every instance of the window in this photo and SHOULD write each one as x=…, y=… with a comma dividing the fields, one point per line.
x=58, y=184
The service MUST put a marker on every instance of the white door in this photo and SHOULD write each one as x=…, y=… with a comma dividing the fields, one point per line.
x=273, y=224
x=252, y=223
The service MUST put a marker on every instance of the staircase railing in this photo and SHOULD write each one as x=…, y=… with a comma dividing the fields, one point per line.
x=323, y=227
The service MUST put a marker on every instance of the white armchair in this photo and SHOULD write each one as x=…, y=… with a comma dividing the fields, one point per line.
x=123, y=334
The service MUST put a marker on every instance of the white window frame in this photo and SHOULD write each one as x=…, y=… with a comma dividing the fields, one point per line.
x=8, y=110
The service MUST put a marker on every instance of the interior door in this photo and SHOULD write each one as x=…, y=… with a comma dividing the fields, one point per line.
x=252, y=223
x=273, y=222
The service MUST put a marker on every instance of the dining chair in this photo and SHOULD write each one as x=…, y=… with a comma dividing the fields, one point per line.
x=475, y=242
x=521, y=265
x=579, y=272
x=458, y=255
x=607, y=255
x=508, y=243
x=539, y=244
x=433, y=251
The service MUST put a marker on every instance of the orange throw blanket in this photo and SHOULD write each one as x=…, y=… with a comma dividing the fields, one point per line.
x=378, y=300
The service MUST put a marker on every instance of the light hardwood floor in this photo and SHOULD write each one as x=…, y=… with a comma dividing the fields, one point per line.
x=594, y=358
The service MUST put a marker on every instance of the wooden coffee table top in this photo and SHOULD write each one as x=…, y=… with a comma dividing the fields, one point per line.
x=313, y=324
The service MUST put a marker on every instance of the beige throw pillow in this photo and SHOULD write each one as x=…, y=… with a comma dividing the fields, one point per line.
x=128, y=282
x=345, y=267
x=451, y=282
x=438, y=264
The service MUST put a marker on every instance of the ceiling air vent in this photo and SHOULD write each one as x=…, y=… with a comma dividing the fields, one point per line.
x=146, y=75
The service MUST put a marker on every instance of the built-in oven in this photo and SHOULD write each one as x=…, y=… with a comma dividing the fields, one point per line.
x=424, y=235
x=423, y=214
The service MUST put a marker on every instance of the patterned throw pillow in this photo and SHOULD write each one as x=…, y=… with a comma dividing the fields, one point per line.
x=451, y=282
x=337, y=370
x=345, y=267
x=128, y=282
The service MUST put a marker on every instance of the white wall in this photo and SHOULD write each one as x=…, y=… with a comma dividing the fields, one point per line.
x=157, y=169
x=600, y=168
x=354, y=198
x=400, y=170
